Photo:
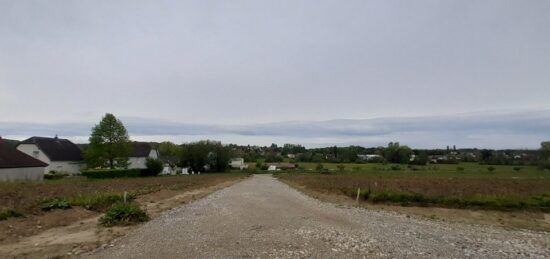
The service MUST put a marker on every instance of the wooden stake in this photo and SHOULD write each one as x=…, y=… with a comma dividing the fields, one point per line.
x=125, y=193
x=358, y=192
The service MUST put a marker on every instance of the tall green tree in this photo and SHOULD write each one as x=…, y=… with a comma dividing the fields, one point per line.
x=205, y=155
x=109, y=144
x=396, y=153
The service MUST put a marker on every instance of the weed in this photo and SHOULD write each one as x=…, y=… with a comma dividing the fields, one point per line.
x=123, y=214
x=55, y=203
x=6, y=214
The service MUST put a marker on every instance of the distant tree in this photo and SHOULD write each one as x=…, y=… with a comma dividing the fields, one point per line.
x=168, y=148
x=420, y=159
x=205, y=155
x=486, y=155
x=273, y=158
x=395, y=153
x=109, y=144
x=545, y=150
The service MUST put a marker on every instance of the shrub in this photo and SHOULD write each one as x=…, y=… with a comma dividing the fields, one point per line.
x=154, y=167
x=517, y=168
x=319, y=167
x=395, y=168
x=112, y=173
x=545, y=164
x=6, y=214
x=460, y=168
x=123, y=214
x=55, y=203
x=491, y=168
x=54, y=175
x=341, y=167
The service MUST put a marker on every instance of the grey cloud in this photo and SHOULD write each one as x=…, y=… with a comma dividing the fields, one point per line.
x=422, y=131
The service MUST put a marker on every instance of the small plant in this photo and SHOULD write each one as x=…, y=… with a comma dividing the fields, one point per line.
x=123, y=214
x=55, y=203
x=319, y=167
x=98, y=202
x=341, y=167
x=517, y=168
x=460, y=168
x=491, y=168
x=395, y=168
x=6, y=214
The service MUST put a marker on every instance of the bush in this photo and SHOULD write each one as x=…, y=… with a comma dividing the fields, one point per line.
x=460, y=168
x=6, y=214
x=491, y=168
x=341, y=167
x=545, y=164
x=54, y=175
x=319, y=167
x=112, y=173
x=395, y=168
x=123, y=214
x=55, y=203
x=154, y=167
x=517, y=168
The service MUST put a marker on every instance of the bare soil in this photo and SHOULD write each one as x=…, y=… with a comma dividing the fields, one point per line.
x=64, y=233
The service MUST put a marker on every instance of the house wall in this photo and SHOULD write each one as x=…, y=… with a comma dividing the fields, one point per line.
x=139, y=162
x=70, y=167
x=34, y=151
x=21, y=174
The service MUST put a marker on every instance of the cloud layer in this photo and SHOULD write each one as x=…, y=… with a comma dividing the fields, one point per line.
x=524, y=129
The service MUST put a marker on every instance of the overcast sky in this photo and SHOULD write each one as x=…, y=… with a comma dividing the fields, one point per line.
x=425, y=73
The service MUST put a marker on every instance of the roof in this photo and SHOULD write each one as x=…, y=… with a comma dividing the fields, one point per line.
x=13, y=158
x=57, y=149
x=140, y=149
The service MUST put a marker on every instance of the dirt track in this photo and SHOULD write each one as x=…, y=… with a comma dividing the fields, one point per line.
x=262, y=217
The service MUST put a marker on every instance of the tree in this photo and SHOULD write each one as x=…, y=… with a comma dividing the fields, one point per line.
x=395, y=153
x=154, y=167
x=109, y=144
x=168, y=148
x=545, y=150
x=205, y=155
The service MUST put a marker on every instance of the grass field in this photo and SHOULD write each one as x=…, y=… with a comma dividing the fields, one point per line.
x=465, y=185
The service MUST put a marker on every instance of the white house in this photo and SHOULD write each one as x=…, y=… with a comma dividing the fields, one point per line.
x=61, y=155
x=139, y=154
x=238, y=163
x=16, y=165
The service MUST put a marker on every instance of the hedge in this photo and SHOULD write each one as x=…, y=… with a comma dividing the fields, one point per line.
x=112, y=173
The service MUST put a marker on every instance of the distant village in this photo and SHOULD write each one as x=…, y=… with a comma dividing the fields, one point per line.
x=35, y=157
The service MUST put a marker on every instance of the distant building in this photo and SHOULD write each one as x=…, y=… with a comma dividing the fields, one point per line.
x=368, y=157
x=280, y=166
x=16, y=165
x=61, y=155
x=238, y=163
x=291, y=156
x=140, y=151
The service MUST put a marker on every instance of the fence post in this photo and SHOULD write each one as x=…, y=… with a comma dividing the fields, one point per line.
x=125, y=193
x=358, y=193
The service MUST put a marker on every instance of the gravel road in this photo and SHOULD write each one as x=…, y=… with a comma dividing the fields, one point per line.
x=262, y=217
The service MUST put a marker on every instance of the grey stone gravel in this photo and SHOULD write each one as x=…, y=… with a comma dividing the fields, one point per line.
x=264, y=218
